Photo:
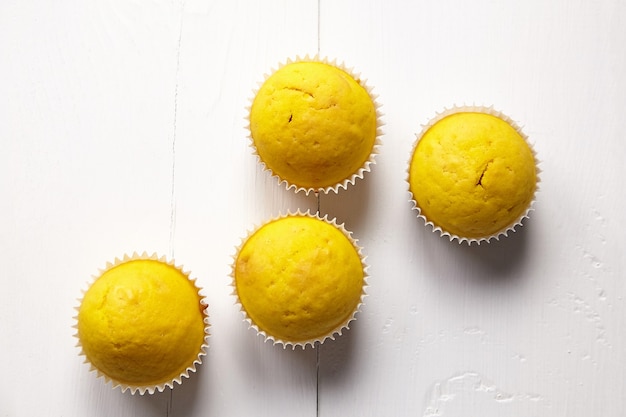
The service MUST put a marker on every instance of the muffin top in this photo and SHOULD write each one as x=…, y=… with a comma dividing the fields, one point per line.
x=299, y=279
x=141, y=323
x=313, y=125
x=472, y=174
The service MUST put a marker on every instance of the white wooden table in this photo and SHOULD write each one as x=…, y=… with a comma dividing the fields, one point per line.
x=122, y=128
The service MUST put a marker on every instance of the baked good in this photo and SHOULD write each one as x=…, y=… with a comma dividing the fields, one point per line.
x=473, y=174
x=299, y=279
x=142, y=324
x=314, y=126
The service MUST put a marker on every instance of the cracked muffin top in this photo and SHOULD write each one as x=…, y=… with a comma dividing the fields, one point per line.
x=472, y=175
x=314, y=126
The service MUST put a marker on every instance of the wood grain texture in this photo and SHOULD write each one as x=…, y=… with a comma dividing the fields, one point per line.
x=123, y=128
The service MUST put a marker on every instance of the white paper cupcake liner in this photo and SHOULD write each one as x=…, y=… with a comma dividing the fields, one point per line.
x=337, y=331
x=504, y=232
x=366, y=167
x=143, y=389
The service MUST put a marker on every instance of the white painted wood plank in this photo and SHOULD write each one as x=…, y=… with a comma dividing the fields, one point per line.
x=532, y=325
x=221, y=193
x=99, y=98
x=86, y=176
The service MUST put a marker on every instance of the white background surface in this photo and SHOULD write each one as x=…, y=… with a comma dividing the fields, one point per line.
x=122, y=128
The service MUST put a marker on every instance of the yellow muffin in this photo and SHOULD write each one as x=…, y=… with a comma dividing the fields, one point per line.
x=473, y=174
x=314, y=126
x=142, y=324
x=299, y=279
